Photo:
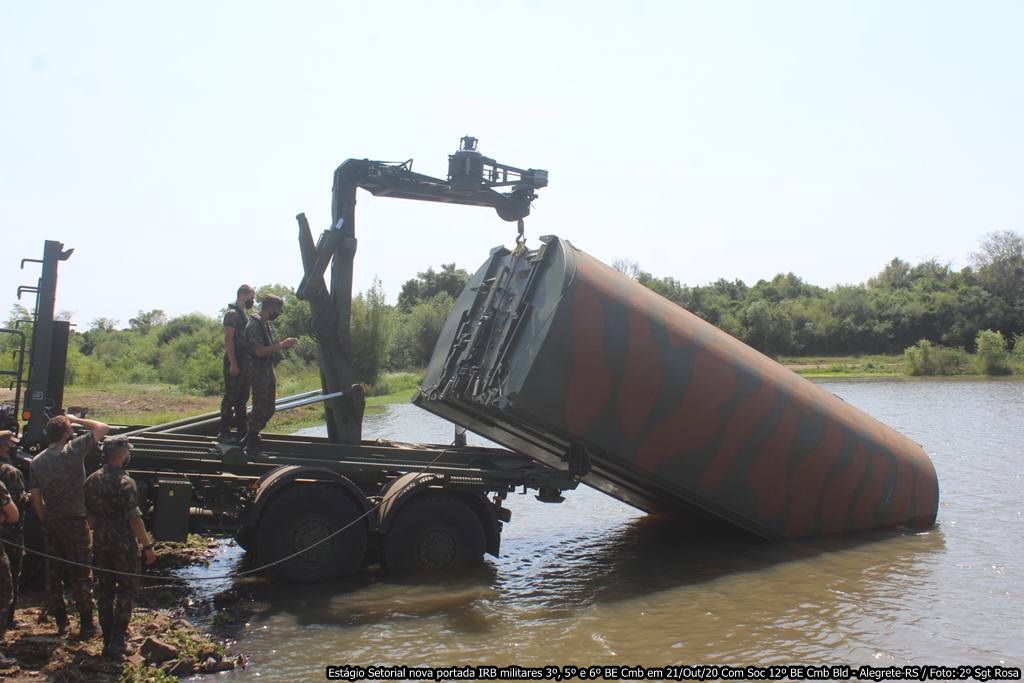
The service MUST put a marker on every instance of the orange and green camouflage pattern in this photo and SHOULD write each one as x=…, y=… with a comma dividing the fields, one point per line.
x=556, y=355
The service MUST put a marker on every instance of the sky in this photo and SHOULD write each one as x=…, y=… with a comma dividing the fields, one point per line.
x=172, y=144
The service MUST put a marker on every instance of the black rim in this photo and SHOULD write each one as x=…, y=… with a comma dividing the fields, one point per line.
x=308, y=532
x=437, y=549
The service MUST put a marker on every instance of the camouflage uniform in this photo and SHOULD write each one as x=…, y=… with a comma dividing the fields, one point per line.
x=112, y=501
x=262, y=379
x=236, y=388
x=6, y=583
x=13, y=535
x=59, y=474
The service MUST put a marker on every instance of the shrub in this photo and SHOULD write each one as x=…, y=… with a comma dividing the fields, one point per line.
x=917, y=359
x=993, y=358
x=925, y=358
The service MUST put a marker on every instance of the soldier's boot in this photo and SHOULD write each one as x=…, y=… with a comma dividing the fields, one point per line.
x=62, y=626
x=224, y=433
x=252, y=442
x=116, y=648
x=106, y=629
x=86, y=626
x=242, y=424
x=13, y=623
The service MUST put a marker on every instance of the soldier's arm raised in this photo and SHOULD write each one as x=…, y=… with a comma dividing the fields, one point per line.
x=99, y=429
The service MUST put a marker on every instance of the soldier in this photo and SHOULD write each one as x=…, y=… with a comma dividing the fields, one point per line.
x=265, y=355
x=8, y=515
x=12, y=534
x=236, y=357
x=112, y=503
x=55, y=488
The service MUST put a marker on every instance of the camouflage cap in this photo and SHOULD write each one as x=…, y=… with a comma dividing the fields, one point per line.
x=271, y=300
x=7, y=436
x=113, y=444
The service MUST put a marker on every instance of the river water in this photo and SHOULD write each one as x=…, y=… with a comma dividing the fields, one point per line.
x=595, y=582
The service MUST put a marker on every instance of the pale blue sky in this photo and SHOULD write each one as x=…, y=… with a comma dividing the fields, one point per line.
x=172, y=144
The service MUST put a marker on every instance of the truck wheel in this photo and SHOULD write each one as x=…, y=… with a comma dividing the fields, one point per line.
x=300, y=516
x=432, y=533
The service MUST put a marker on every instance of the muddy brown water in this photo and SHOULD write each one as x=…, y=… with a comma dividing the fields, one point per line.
x=595, y=582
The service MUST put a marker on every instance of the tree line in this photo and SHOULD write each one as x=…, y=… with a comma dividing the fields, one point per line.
x=932, y=313
x=901, y=305
x=187, y=350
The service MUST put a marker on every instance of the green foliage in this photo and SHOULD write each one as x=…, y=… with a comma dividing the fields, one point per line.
x=1017, y=354
x=993, y=358
x=140, y=673
x=427, y=285
x=396, y=382
x=370, y=320
x=917, y=359
x=144, y=322
x=416, y=331
x=924, y=358
x=889, y=313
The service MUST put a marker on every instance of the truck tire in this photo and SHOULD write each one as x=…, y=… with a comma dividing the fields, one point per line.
x=433, y=533
x=301, y=515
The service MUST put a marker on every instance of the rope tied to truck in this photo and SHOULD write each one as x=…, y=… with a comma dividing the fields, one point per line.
x=177, y=580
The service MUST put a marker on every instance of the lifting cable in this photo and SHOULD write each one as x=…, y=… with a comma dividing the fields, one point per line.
x=177, y=580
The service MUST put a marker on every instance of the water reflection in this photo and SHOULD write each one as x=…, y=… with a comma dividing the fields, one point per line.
x=638, y=592
x=595, y=581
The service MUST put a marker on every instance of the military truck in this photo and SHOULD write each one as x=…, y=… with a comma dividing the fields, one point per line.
x=581, y=374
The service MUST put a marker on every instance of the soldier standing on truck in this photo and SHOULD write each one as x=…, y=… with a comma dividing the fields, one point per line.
x=111, y=500
x=56, y=478
x=236, y=357
x=8, y=515
x=12, y=533
x=265, y=354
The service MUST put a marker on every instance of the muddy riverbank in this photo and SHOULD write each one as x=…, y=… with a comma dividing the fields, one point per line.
x=175, y=631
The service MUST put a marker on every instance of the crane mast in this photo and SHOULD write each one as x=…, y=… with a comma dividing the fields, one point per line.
x=473, y=180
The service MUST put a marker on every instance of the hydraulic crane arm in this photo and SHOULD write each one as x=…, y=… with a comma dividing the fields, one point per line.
x=473, y=180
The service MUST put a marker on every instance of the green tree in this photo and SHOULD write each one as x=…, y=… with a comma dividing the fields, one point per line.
x=416, y=332
x=370, y=331
x=999, y=263
x=426, y=285
x=144, y=322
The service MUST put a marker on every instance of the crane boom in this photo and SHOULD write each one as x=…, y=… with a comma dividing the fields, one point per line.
x=473, y=180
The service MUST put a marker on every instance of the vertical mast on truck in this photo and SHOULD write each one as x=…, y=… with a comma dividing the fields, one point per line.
x=473, y=180
x=48, y=360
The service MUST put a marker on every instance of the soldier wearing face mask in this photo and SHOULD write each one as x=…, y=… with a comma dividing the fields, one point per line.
x=119, y=537
x=264, y=355
x=236, y=357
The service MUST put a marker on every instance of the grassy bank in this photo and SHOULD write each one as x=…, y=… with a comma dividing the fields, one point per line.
x=845, y=366
x=151, y=404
